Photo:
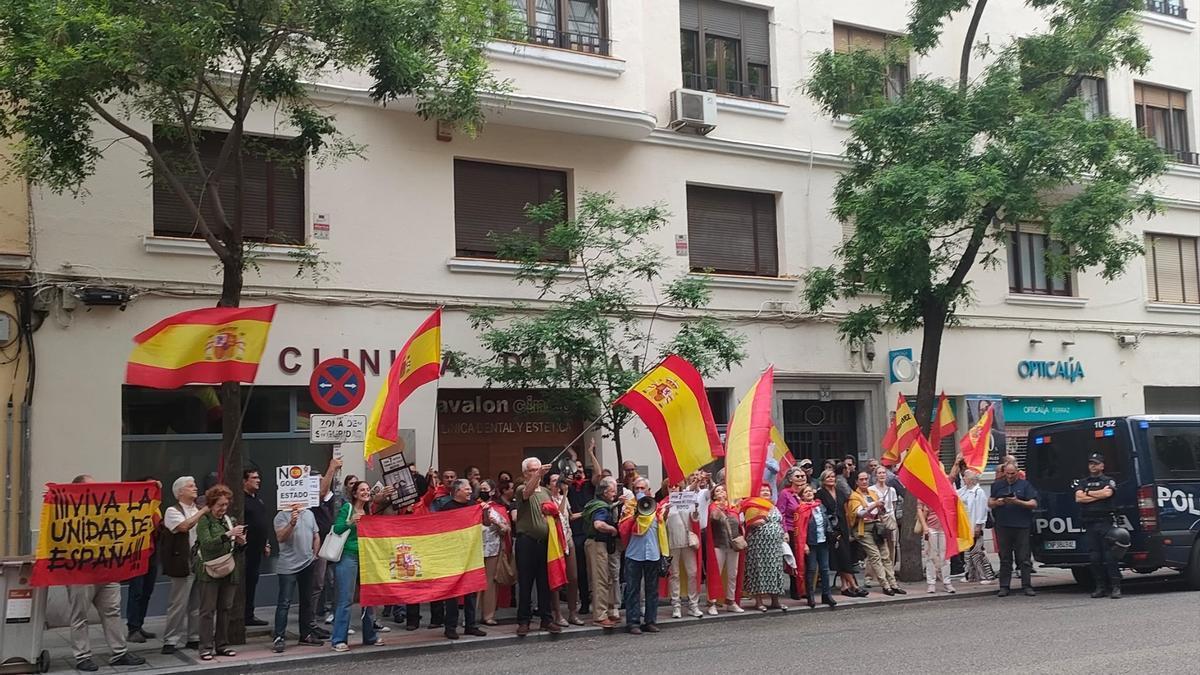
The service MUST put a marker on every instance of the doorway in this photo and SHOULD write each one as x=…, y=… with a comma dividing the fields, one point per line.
x=820, y=430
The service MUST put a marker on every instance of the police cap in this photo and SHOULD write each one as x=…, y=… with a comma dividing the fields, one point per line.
x=1095, y=458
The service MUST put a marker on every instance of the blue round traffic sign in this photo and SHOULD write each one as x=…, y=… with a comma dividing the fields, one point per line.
x=337, y=386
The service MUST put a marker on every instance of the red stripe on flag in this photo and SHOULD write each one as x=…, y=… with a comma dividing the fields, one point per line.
x=205, y=372
x=441, y=522
x=651, y=415
x=209, y=316
x=417, y=592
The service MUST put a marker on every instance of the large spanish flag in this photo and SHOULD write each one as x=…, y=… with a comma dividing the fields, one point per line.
x=976, y=446
x=900, y=433
x=748, y=437
x=414, y=559
x=201, y=346
x=922, y=474
x=944, y=423
x=556, y=555
x=671, y=402
x=419, y=362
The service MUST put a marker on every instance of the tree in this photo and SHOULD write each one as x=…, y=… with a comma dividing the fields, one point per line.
x=592, y=331
x=185, y=65
x=940, y=174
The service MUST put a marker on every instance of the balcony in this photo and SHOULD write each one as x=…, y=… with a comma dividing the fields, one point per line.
x=1184, y=157
x=1173, y=8
x=586, y=43
x=750, y=90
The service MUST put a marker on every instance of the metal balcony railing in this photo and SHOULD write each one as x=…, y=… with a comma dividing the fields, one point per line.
x=588, y=43
x=731, y=87
x=1184, y=157
x=1173, y=8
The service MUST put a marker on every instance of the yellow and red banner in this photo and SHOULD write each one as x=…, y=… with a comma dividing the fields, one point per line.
x=671, y=402
x=419, y=362
x=944, y=425
x=900, y=432
x=93, y=533
x=781, y=452
x=201, y=346
x=414, y=559
x=748, y=437
x=976, y=446
x=922, y=474
x=755, y=509
x=556, y=555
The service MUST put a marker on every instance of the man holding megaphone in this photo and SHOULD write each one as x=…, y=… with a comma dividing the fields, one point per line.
x=645, y=535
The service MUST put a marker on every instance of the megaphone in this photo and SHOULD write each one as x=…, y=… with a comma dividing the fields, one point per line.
x=646, y=506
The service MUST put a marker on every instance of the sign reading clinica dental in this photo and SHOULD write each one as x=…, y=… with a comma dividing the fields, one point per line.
x=1069, y=370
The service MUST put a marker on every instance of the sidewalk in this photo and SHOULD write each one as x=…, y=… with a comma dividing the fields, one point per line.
x=257, y=653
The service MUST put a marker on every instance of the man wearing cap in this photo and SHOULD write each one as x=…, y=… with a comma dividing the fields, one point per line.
x=807, y=467
x=1094, y=494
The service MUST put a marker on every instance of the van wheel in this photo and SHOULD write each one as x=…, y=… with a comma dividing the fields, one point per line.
x=1191, y=573
x=1083, y=577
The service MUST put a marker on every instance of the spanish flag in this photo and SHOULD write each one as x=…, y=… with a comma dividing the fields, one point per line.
x=944, y=423
x=415, y=559
x=976, y=446
x=781, y=452
x=900, y=433
x=755, y=509
x=556, y=556
x=419, y=362
x=201, y=346
x=748, y=437
x=671, y=402
x=922, y=474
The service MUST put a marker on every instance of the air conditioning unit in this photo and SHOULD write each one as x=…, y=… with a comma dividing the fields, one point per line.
x=695, y=110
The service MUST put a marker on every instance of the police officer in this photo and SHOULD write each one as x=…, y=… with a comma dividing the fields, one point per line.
x=1094, y=494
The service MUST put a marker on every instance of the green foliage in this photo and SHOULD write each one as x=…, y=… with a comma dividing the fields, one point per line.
x=602, y=280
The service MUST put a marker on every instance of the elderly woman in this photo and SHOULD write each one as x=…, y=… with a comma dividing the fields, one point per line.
x=724, y=529
x=183, y=606
x=216, y=536
x=683, y=526
x=764, y=555
x=841, y=555
x=864, y=512
x=788, y=504
x=975, y=502
x=496, y=542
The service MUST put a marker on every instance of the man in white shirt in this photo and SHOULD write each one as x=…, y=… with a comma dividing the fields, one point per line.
x=975, y=502
x=299, y=540
x=183, y=605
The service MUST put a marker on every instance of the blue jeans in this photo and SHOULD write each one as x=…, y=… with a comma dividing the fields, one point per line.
x=288, y=583
x=345, y=579
x=639, y=574
x=817, y=560
x=140, y=589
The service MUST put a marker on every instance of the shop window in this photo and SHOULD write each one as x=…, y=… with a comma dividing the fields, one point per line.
x=491, y=200
x=1028, y=268
x=1172, y=269
x=732, y=231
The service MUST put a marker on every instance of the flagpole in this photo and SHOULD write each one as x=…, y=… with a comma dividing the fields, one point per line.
x=581, y=433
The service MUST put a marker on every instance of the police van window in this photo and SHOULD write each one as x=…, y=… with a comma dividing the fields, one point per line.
x=1055, y=460
x=1176, y=452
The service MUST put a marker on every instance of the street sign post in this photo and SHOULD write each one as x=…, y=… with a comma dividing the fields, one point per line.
x=337, y=428
x=337, y=386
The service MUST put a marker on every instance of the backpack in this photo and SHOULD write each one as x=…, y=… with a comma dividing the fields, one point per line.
x=174, y=551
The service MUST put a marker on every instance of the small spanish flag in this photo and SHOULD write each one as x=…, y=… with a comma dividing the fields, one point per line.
x=781, y=452
x=922, y=474
x=556, y=556
x=748, y=437
x=415, y=559
x=201, y=346
x=976, y=446
x=900, y=433
x=419, y=362
x=944, y=423
x=671, y=402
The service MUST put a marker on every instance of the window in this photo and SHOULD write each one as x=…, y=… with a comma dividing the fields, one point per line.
x=578, y=25
x=726, y=48
x=1162, y=115
x=493, y=197
x=1094, y=93
x=718, y=401
x=1028, y=271
x=732, y=231
x=1172, y=271
x=849, y=38
x=274, y=199
x=1176, y=452
x=1174, y=8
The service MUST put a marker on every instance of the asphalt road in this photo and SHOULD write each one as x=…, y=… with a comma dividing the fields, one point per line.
x=1154, y=628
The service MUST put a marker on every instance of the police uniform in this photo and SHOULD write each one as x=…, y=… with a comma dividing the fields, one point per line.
x=1097, y=519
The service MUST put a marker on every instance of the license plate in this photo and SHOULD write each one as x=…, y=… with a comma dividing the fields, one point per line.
x=1060, y=545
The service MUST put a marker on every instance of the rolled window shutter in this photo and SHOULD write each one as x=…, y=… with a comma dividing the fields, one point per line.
x=1168, y=268
x=767, y=264
x=689, y=14
x=722, y=18
x=493, y=197
x=731, y=231
x=756, y=35
x=1150, y=95
x=1191, y=270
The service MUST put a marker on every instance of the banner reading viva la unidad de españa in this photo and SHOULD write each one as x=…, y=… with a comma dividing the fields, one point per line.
x=96, y=532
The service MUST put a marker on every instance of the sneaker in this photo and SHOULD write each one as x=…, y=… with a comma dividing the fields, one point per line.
x=169, y=649
x=135, y=635
x=712, y=610
x=310, y=641
x=382, y=628
x=736, y=608
x=328, y=619
x=676, y=613
x=128, y=659
x=319, y=632
x=277, y=645
x=351, y=631
x=1030, y=592
x=475, y=631
x=87, y=666
x=255, y=621
x=695, y=612
x=949, y=588
x=987, y=582
x=931, y=589
x=1116, y=593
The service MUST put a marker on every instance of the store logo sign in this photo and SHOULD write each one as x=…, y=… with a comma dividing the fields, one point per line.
x=1069, y=370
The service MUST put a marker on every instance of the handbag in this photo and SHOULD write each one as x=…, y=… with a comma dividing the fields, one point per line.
x=506, y=569
x=739, y=543
x=331, y=548
x=693, y=540
x=664, y=566
x=222, y=565
x=919, y=525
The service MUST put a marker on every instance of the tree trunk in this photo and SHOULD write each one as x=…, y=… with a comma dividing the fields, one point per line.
x=231, y=395
x=911, y=565
x=620, y=457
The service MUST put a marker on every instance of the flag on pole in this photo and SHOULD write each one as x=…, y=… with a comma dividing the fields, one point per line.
x=781, y=452
x=556, y=556
x=671, y=402
x=976, y=446
x=922, y=474
x=419, y=362
x=900, y=433
x=944, y=424
x=748, y=437
x=415, y=559
x=201, y=346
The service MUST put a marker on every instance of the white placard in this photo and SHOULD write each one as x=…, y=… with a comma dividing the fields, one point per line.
x=294, y=485
x=337, y=428
x=683, y=499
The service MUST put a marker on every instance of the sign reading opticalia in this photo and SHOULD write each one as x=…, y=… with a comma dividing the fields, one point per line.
x=293, y=485
x=337, y=428
x=1069, y=370
x=1042, y=410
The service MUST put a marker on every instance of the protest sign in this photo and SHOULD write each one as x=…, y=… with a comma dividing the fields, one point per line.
x=683, y=500
x=293, y=485
x=96, y=532
x=398, y=476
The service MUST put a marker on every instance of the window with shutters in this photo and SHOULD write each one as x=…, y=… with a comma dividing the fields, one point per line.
x=1094, y=93
x=1162, y=115
x=732, y=231
x=578, y=25
x=725, y=48
x=1028, y=270
x=490, y=201
x=1172, y=270
x=851, y=38
x=273, y=202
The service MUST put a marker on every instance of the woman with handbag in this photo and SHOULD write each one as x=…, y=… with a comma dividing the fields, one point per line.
x=864, y=512
x=345, y=572
x=765, y=578
x=216, y=571
x=725, y=546
x=840, y=546
x=497, y=550
x=812, y=541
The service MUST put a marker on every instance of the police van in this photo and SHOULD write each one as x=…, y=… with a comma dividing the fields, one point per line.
x=1155, y=461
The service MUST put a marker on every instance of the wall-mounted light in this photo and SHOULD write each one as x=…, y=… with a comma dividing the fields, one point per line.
x=1067, y=343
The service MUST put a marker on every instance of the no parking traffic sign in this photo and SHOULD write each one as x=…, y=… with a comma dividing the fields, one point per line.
x=337, y=386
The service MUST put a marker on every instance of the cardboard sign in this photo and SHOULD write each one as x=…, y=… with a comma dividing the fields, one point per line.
x=294, y=485
x=683, y=500
x=398, y=476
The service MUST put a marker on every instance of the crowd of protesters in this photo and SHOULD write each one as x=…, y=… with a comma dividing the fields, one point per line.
x=802, y=537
